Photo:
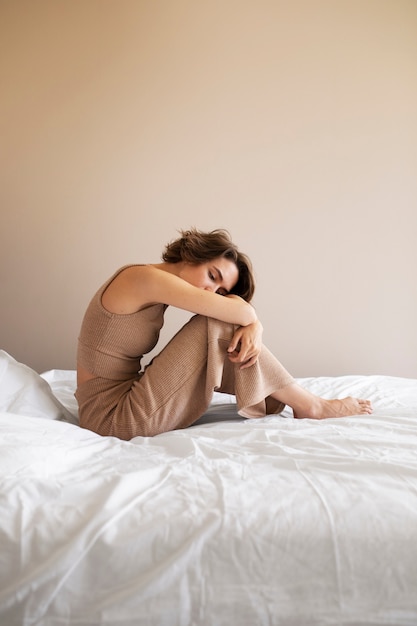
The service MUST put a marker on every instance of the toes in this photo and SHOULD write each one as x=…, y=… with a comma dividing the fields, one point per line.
x=365, y=406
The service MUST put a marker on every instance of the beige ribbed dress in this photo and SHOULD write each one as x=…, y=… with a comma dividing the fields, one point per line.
x=176, y=388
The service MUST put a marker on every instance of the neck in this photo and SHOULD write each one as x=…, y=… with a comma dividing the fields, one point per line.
x=171, y=268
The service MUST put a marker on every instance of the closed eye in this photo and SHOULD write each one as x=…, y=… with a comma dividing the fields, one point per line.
x=217, y=278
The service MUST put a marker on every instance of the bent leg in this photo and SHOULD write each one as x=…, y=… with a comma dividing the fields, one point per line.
x=256, y=387
x=177, y=386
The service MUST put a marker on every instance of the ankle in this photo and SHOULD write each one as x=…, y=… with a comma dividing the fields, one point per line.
x=312, y=409
x=316, y=408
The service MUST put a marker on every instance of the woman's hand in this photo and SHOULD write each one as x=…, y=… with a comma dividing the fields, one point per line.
x=246, y=345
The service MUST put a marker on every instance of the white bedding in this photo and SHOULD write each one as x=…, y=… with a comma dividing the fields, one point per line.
x=231, y=522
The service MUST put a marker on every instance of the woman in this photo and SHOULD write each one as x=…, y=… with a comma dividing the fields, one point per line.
x=219, y=349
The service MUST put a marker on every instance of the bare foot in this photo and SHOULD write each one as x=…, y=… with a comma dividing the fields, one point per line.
x=338, y=408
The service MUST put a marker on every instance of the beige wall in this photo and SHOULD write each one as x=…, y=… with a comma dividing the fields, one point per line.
x=291, y=123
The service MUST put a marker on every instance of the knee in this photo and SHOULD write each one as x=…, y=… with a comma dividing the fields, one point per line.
x=220, y=330
x=215, y=329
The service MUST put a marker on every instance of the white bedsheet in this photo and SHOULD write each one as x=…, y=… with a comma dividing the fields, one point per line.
x=231, y=522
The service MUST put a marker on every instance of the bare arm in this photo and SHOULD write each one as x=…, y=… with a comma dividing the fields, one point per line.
x=139, y=286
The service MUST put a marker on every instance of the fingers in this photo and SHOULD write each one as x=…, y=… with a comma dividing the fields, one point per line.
x=233, y=346
x=236, y=356
x=249, y=363
x=244, y=348
x=246, y=359
x=235, y=341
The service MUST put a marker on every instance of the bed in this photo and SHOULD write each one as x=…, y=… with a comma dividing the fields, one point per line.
x=233, y=522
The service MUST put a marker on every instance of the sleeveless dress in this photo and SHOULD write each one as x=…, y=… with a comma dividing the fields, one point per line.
x=175, y=389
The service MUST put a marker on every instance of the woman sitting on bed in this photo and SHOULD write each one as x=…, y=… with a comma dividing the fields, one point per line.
x=219, y=349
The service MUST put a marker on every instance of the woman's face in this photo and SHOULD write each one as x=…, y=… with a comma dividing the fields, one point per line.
x=219, y=275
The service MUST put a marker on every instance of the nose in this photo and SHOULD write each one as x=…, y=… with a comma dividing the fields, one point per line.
x=210, y=288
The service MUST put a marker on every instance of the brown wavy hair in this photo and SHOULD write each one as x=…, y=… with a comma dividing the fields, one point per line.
x=197, y=247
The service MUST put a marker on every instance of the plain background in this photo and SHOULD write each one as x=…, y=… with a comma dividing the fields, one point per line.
x=293, y=124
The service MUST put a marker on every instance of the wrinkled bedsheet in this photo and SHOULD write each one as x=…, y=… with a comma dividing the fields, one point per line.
x=233, y=522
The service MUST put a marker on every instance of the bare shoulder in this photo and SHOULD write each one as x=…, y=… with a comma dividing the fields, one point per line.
x=128, y=291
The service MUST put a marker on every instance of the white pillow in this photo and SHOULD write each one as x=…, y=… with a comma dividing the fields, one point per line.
x=63, y=384
x=24, y=392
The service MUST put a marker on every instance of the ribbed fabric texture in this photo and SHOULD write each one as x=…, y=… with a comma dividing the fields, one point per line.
x=111, y=345
x=177, y=387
